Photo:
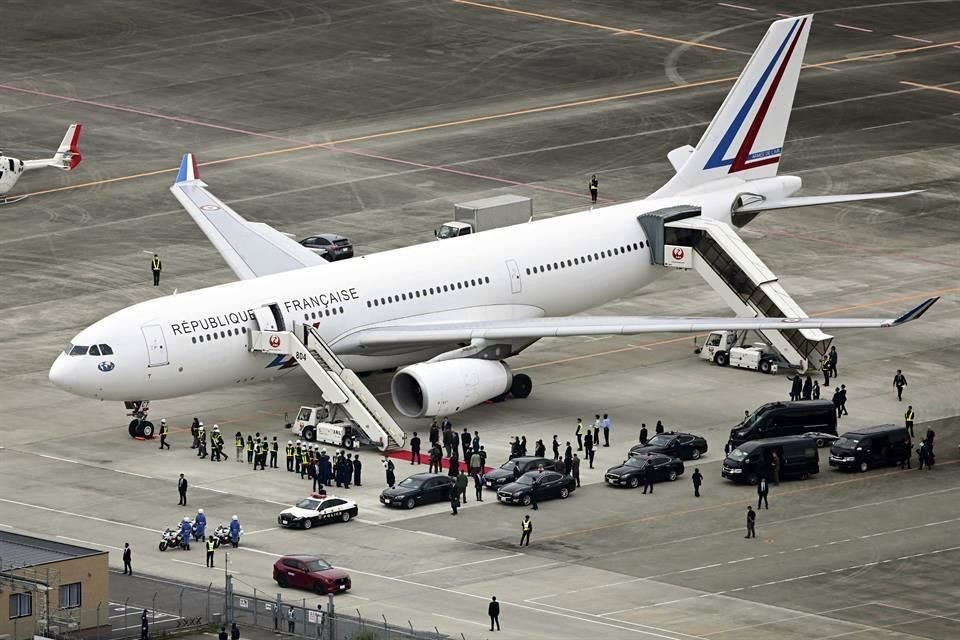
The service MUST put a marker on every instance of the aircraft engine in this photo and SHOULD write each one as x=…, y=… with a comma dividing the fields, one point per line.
x=449, y=386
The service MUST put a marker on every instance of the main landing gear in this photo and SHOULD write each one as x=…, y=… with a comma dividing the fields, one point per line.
x=139, y=426
x=521, y=387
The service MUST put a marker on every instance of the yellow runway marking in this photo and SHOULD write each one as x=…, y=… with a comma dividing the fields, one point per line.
x=930, y=87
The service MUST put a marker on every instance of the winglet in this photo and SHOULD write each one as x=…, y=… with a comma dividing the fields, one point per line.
x=916, y=312
x=188, y=169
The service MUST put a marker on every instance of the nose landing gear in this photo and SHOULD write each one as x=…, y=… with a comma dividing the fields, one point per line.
x=139, y=426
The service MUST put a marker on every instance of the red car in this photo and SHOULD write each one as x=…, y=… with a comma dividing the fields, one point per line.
x=310, y=572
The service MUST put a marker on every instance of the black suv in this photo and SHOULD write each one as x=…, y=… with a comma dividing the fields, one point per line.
x=685, y=446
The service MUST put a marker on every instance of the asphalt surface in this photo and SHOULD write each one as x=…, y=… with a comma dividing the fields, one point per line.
x=371, y=119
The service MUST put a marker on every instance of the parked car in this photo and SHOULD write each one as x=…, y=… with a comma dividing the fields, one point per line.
x=870, y=447
x=420, y=488
x=329, y=246
x=551, y=485
x=685, y=446
x=318, y=509
x=753, y=460
x=504, y=474
x=310, y=572
x=777, y=419
x=628, y=474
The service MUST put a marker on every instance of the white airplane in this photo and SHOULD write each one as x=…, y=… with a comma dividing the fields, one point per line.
x=450, y=312
x=66, y=158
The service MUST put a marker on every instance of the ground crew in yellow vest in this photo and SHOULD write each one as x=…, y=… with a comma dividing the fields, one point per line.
x=155, y=266
x=594, y=189
x=297, y=456
x=274, y=448
x=289, y=451
x=164, y=431
x=210, y=549
x=526, y=527
x=238, y=443
x=304, y=461
x=579, y=434
x=250, y=446
x=261, y=455
x=202, y=442
x=907, y=420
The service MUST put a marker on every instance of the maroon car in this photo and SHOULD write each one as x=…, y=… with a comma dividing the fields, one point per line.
x=310, y=572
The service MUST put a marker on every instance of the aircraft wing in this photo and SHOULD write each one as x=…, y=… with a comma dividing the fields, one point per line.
x=812, y=201
x=251, y=249
x=377, y=338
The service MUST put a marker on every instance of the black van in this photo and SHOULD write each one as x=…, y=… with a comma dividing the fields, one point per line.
x=863, y=449
x=799, y=458
x=776, y=419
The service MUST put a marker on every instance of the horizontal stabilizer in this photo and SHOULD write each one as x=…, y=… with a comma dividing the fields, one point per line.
x=67, y=156
x=679, y=156
x=812, y=201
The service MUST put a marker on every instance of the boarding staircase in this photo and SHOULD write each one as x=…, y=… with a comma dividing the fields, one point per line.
x=680, y=237
x=338, y=385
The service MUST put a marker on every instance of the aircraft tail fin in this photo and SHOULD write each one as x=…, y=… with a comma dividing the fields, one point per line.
x=745, y=137
x=68, y=153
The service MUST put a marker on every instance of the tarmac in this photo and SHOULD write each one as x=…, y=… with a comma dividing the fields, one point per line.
x=371, y=119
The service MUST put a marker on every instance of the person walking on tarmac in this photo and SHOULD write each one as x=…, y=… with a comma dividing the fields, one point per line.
x=825, y=368
x=589, y=450
x=289, y=453
x=164, y=431
x=156, y=266
x=594, y=187
x=182, y=489
x=127, y=557
x=274, y=449
x=210, y=549
x=478, y=486
x=461, y=487
x=697, y=481
x=647, y=471
x=751, y=523
x=526, y=528
x=535, y=488
x=493, y=610
x=899, y=381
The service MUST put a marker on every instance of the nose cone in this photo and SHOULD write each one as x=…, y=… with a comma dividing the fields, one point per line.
x=60, y=373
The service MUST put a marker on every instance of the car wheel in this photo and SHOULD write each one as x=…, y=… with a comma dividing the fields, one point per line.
x=146, y=429
x=318, y=588
x=864, y=466
x=308, y=523
x=721, y=359
x=309, y=433
x=695, y=454
x=345, y=516
x=672, y=475
x=564, y=493
x=521, y=386
x=633, y=482
x=163, y=545
x=526, y=500
x=764, y=366
x=410, y=503
x=282, y=580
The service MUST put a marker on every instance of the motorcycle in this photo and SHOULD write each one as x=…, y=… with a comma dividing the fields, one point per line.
x=221, y=536
x=171, y=539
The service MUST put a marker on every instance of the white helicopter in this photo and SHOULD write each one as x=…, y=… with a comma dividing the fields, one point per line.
x=66, y=158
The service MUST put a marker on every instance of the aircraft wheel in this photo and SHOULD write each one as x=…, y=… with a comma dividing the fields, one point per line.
x=146, y=429
x=132, y=428
x=521, y=386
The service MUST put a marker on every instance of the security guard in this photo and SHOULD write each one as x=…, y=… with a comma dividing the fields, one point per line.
x=261, y=454
x=238, y=443
x=274, y=448
x=249, y=449
x=526, y=526
x=297, y=456
x=594, y=188
x=907, y=419
x=164, y=430
x=289, y=451
x=825, y=367
x=304, y=462
x=155, y=266
x=210, y=549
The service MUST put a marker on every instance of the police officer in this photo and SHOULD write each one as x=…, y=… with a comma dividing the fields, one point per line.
x=304, y=460
x=164, y=430
x=526, y=528
x=357, y=469
x=289, y=453
x=210, y=549
x=156, y=266
x=907, y=419
x=274, y=448
x=594, y=189
x=201, y=442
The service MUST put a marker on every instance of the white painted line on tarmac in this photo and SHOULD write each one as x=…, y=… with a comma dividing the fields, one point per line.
x=133, y=473
x=251, y=533
x=913, y=39
x=351, y=595
x=435, y=535
x=465, y=564
x=852, y=28
x=196, y=564
x=214, y=490
x=94, y=544
x=461, y=620
x=6, y=526
x=884, y=126
x=49, y=457
x=79, y=515
x=735, y=6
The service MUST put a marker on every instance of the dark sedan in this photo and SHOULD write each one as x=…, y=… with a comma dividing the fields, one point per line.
x=329, y=246
x=685, y=446
x=503, y=475
x=629, y=474
x=420, y=488
x=310, y=572
x=549, y=484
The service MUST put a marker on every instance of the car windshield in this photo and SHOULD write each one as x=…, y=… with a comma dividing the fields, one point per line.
x=752, y=419
x=508, y=465
x=737, y=455
x=411, y=482
x=637, y=461
x=525, y=480
x=317, y=565
x=308, y=503
x=660, y=440
x=847, y=443
x=447, y=232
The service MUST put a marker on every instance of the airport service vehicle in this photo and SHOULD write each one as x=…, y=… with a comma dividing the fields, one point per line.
x=486, y=214
x=796, y=417
x=329, y=246
x=551, y=485
x=629, y=473
x=323, y=424
x=870, y=447
x=312, y=573
x=318, y=509
x=66, y=158
x=420, y=488
x=504, y=473
x=752, y=460
x=450, y=332
x=728, y=348
x=685, y=446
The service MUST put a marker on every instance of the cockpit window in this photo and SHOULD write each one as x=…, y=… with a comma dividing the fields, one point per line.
x=106, y=350
x=94, y=350
x=78, y=350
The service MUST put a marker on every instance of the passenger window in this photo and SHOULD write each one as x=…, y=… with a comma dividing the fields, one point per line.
x=94, y=350
x=105, y=350
x=641, y=245
x=323, y=241
x=223, y=334
x=201, y=338
x=194, y=339
x=473, y=283
x=487, y=279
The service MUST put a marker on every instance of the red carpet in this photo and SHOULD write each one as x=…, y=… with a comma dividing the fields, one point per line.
x=405, y=456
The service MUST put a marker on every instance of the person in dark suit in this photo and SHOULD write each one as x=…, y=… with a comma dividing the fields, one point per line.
x=568, y=459
x=697, y=481
x=493, y=610
x=182, y=488
x=643, y=433
x=415, y=449
x=762, y=490
x=646, y=474
x=751, y=523
x=357, y=467
x=127, y=556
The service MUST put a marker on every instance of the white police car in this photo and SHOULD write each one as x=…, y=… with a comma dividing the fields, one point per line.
x=318, y=509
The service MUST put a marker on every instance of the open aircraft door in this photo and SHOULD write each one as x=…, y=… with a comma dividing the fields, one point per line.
x=156, y=345
x=269, y=317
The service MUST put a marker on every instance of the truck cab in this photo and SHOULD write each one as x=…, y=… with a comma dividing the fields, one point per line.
x=321, y=424
x=453, y=229
x=729, y=348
